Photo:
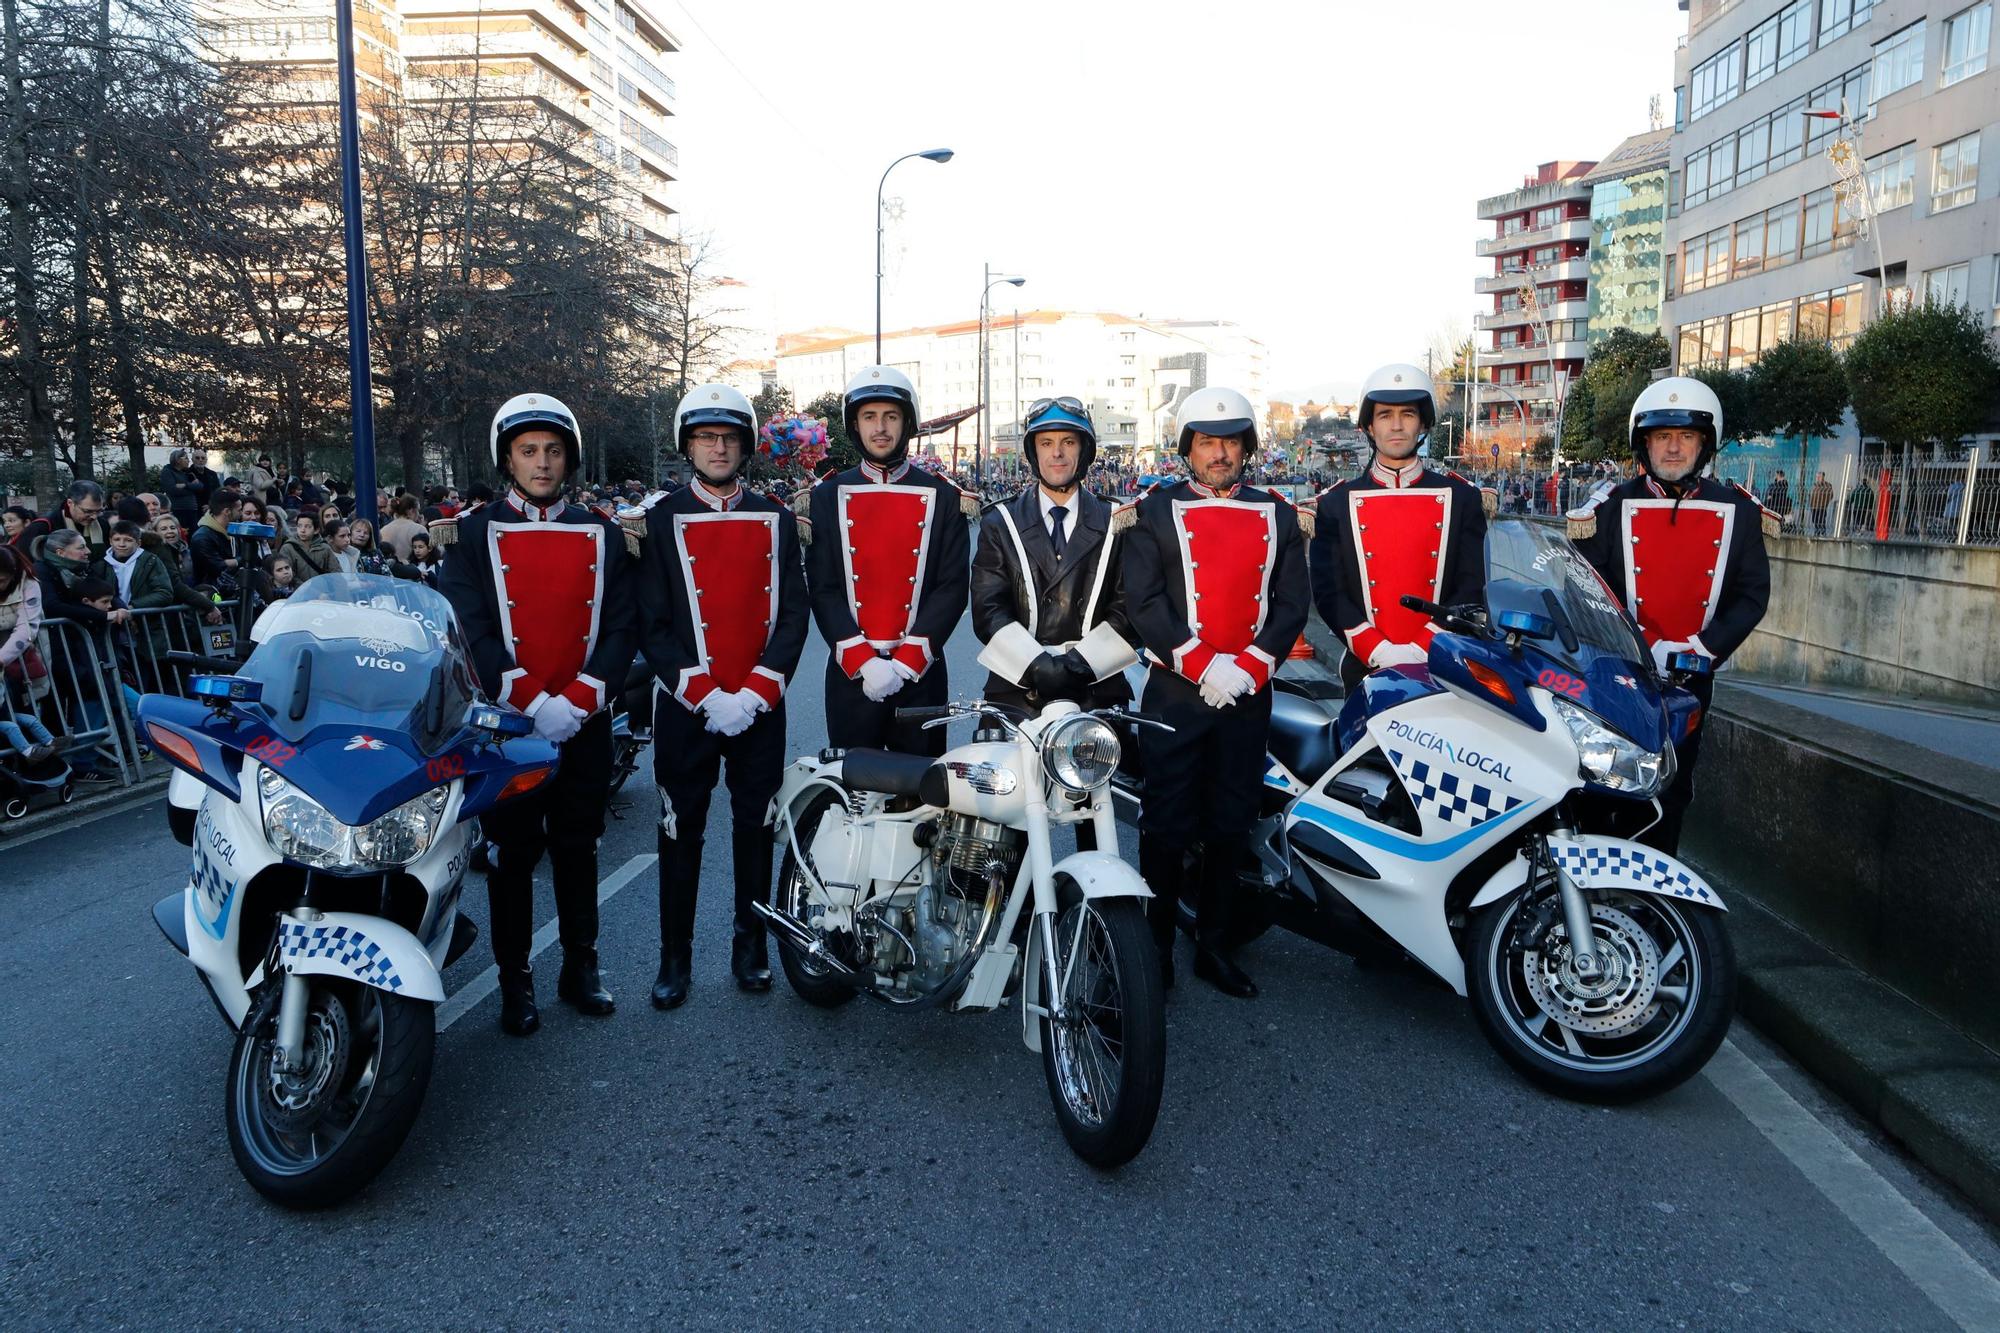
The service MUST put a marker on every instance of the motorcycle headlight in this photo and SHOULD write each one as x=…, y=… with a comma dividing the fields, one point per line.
x=1080, y=752
x=1608, y=759
x=301, y=829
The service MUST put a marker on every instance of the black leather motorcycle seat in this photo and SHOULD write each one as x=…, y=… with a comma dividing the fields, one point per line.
x=887, y=771
x=1302, y=736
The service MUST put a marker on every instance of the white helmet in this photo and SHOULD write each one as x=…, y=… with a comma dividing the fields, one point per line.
x=1677, y=400
x=1216, y=412
x=717, y=405
x=881, y=384
x=1398, y=383
x=532, y=411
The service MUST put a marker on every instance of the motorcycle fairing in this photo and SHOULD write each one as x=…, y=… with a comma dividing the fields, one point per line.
x=1596, y=861
x=1378, y=692
x=360, y=948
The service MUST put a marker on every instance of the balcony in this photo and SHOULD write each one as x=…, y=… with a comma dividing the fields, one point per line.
x=533, y=41
x=1569, y=229
x=1507, y=319
x=653, y=83
x=649, y=141
x=1528, y=353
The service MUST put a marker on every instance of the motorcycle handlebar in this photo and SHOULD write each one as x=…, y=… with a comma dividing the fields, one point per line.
x=924, y=714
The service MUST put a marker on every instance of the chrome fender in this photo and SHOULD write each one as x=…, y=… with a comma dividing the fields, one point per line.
x=360, y=948
x=1097, y=875
x=1598, y=862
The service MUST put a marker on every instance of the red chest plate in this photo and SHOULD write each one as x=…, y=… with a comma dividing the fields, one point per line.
x=1674, y=564
x=729, y=562
x=887, y=534
x=1400, y=536
x=550, y=580
x=1226, y=548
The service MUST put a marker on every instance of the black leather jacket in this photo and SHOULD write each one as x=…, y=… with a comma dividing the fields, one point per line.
x=1024, y=600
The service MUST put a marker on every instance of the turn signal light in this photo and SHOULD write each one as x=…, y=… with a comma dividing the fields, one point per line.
x=175, y=747
x=523, y=783
x=1491, y=681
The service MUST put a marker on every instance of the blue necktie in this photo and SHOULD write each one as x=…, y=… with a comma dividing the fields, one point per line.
x=1058, y=513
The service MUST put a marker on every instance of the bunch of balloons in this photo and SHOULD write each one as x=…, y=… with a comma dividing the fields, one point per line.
x=793, y=442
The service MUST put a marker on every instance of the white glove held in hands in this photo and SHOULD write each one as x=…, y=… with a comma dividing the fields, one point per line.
x=1389, y=653
x=1224, y=683
x=724, y=713
x=557, y=719
x=880, y=679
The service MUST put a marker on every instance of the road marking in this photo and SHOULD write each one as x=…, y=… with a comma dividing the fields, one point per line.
x=466, y=997
x=1940, y=1268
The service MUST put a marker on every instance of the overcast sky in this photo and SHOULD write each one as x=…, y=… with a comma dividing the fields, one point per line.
x=1307, y=168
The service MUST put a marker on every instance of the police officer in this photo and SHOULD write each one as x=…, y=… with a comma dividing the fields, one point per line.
x=1398, y=529
x=540, y=587
x=722, y=593
x=887, y=572
x=1683, y=552
x=1215, y=579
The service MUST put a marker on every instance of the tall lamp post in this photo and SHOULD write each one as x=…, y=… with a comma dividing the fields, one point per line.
x=929, y=155
x=985, y=378
x=1851, y=176
x=359, y=387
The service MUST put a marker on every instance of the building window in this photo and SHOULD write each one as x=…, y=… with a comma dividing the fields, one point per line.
x=1749, y=247
x=1948, y=286
x=1892, y=177
x=1544, y=254
x=1716, y=80
x=1774, y=323
x=1839, y=17
x=1966, y=35
x=1547, y=216
x=1849, y=92
x=1955, y=173
x=1818, y=237
x=1781, y=234
x=1795, y=31
x=1753, y=148
x=1899, y=62
x=1760, y=52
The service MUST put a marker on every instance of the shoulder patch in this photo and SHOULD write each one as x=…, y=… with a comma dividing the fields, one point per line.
x=444, y=532
x=1124, y=516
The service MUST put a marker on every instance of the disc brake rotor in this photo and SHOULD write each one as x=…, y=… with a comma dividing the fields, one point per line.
x=295, y=1099
x=1621, y=998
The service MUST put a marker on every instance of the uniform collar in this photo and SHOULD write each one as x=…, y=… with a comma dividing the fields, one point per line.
x=1211, y=493
x=534, y=513
x=1689, y=488
x=875, y=472
x=1394, y=478
x=721, y=504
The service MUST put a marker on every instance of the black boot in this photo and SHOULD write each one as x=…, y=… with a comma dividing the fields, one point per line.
x=518, y=1015
x=1160, y=865
x=749, y=956
x=680, y=879
x=670, y=987
x=579, y=984
x=1219, y=888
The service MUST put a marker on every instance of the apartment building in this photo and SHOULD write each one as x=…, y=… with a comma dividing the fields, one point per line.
x=1535, y=303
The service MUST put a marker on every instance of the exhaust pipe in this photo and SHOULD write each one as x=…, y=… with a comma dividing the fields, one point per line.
x=805, y=940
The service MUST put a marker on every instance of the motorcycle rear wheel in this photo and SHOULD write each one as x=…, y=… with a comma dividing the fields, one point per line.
x=1105, y=1066
x=813, y=983
x=1622, y=1047
x=315, y=1145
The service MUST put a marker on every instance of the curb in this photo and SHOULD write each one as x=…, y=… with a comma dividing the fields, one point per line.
x=57, y=818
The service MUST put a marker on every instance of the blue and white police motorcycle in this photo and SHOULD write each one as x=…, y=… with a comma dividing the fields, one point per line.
x=1468, y=814
x=328, y=790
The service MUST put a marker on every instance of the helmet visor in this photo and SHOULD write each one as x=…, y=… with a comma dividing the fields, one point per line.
x=1398, y=397
x=1679, y=418
x=1224, y=426
x=718, y=416
x=535, y=416
x=880, y=393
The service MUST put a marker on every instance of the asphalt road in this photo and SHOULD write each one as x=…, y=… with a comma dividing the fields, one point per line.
x=1344, y=1152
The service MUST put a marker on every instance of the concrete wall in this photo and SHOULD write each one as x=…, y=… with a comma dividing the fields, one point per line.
x=1917, y=622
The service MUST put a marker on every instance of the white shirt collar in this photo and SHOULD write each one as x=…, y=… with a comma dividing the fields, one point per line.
x=1396, y=478
x=1072, y=510
x=534, y=513
x=875, y=472
x=722, y=504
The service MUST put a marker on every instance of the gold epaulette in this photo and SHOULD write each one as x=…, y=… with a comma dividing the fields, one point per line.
x=1124, y=516
x=1308, y=516
x=1489, y=501
x=1582, y=525
x=969, y=504
x=444, y=532
x=635, y=531
x=805, y=530
x=1770, y=523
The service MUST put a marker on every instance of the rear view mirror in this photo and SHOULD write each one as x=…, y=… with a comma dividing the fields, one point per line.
x=502, y=722
x=225, y=691
x=1527, y=624
x=1690, y=664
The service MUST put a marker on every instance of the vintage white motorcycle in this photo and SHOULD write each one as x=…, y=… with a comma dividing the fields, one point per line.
x=923, y=882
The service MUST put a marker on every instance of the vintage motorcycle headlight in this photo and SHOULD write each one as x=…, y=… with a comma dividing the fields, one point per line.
x=1608, y=759
x=301, y=829
x=1080, y=752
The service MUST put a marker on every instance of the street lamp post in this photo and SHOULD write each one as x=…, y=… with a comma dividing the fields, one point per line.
x=359, y=380
x=929, y=155
x=985, y=377
x=1851, y=175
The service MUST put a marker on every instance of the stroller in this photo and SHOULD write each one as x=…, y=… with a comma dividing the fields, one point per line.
x=24, y=785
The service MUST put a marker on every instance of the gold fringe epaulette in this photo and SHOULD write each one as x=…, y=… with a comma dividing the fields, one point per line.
x=444, y=532
x=1124, y=516
x=635, y=531
x=1582, y=525
x=969, y=504
x=1489, y=501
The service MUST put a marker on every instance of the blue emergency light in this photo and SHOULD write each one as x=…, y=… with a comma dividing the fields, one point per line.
x=223, y=690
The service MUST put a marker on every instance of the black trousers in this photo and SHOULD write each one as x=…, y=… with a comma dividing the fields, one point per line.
x=688, y=759
x=563, y=817
x=853, y=721
x=1665, y=836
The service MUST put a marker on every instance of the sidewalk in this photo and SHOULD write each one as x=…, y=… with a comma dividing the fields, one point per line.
x=1967, y=733
x=1928, y=1085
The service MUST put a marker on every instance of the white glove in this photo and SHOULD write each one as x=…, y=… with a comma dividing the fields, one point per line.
x=724, y=712
x=558, y=719
x=880, y=679
x=1224, y=683
x=1666, y=648
x=753, y=701
x=1389, y=653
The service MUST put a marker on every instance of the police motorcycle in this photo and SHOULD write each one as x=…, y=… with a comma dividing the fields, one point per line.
x=328, y=789
x=925, y=883
x=1466, y=814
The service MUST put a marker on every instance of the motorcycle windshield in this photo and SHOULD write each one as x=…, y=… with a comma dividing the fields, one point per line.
x=1597, y=656
x=367, y=652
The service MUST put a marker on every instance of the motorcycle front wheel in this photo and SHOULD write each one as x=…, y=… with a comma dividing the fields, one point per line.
x=1652, y=1017
x=313, y=1137
x=1104, y=1053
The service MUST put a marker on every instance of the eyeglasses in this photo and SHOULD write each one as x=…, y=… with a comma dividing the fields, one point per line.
x=1066, y=403
x=712, y=437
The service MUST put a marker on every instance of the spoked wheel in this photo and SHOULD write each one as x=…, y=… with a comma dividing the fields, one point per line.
x=1656, y=1012
x=1104, y=1050
x=313, y=1136
x=815, y=983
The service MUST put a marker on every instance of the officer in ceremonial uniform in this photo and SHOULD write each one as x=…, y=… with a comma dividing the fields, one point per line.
x=1216, y=586
x=722, y=595
x=1683, y=552
x=541, y=588
x=1398, y=529
x=887, y=572
x=1048, y=590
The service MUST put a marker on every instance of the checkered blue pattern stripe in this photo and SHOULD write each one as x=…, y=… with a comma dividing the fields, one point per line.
x=1454, y=798
x=344, y=945
x=1597, y=866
